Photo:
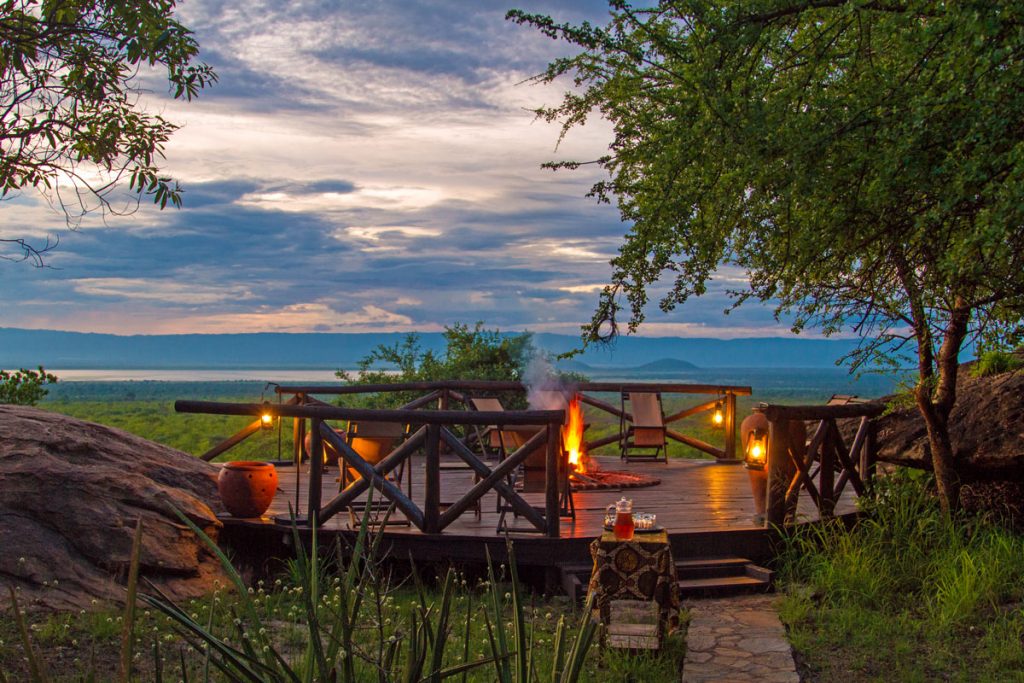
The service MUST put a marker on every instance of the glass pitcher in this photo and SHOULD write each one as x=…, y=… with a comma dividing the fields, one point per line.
x=623, y=525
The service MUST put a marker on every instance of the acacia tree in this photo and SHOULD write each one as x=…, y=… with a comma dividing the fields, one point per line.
x=471, y=353
x=863, y=162
x=71, y=125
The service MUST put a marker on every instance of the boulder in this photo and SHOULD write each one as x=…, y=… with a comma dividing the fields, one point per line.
x=70, y=495
x=986, y=428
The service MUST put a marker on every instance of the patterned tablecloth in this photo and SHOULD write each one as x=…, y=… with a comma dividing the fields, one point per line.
x=640, y=569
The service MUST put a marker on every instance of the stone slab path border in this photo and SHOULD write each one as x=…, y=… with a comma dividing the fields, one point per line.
x=736, y=640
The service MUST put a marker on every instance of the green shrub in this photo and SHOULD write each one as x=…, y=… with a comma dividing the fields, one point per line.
x=24, y=387
x=996, y=363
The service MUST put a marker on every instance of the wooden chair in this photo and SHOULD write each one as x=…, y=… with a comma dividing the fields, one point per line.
x=373, y=441
x=504, y=441
x=644, y=436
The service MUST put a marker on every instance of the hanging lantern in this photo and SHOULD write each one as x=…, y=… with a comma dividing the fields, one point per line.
x=266, y=417
x=718, y=417
x=756, y=449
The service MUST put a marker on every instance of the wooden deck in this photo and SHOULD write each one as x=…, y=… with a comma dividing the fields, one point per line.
x=705, y=506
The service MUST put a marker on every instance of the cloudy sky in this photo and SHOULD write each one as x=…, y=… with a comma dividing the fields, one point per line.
x=361, y=166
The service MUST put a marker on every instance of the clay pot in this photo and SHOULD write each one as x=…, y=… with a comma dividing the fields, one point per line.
x=246, y=487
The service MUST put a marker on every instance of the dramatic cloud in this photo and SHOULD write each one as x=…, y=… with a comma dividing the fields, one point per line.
x=360, y=166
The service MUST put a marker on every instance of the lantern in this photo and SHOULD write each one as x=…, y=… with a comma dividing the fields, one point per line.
x=756, y=449
x=718, y=417
x=266, y=417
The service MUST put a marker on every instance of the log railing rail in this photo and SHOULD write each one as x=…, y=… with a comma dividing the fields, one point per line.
x=824, y=465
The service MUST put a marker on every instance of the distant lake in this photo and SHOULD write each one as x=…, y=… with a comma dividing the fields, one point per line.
x=767, y=383
x=199, y=375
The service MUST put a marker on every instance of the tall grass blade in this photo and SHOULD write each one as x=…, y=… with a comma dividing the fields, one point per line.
x=90, y=672
x=36, y=669
x=158, y=665
x=558, y=656
x=499, y=645
x=184, y=668
x=467, y=633
x=585, y=631
x=498, y=656
x=128, y=627
x=518, y=622
x=443, y=629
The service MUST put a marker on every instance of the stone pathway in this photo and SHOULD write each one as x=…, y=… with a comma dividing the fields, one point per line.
x=737, y=640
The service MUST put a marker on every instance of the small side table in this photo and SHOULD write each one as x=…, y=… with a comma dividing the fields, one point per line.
x=639, y=569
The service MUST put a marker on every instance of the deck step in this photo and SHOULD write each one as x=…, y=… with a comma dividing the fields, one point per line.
x=721, y=575
x=698, y=576
x=721, y=584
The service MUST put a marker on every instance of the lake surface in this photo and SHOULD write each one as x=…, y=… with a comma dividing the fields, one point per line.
x=198, y=375
x=766, y=383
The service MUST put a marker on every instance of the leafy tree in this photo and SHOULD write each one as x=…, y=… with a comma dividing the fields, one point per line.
x=862, y=162
x=72, y=73
x=24, y=387
x=470, y=353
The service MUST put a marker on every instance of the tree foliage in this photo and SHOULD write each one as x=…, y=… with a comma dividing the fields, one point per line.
x=862, y=162
x=24, y=387
x=470, y=354
x=72, y=73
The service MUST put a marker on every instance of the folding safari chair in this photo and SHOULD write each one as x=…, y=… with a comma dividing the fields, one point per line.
x=642, y=434
x=373, y=441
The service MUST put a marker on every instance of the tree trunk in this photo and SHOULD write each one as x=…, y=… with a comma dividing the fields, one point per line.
x=936, y=404
x=947, y=481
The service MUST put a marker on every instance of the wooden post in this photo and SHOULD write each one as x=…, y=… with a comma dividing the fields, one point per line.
x=551, y=477
x=443, y=403
x=299, y=433
x=730, y=426
x=869, y=454
x=432, y=481
x=316, y=465
x=778, y=472
x=827, y=474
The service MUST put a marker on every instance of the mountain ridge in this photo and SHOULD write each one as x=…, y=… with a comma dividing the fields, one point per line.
x=58, y=349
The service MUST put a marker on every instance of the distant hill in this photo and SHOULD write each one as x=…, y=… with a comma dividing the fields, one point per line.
x=573, y=365
x=665, y=365
x=75, y=350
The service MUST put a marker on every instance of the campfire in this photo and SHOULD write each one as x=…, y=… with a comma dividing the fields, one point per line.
x=584, y=472
x=572, y=437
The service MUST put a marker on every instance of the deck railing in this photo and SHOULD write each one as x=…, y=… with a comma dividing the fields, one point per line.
x=436, y=433
x=823, y=465
x=434, y=428
x=444, y=393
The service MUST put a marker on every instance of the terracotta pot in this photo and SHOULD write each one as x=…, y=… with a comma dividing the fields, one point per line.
x=246, y=487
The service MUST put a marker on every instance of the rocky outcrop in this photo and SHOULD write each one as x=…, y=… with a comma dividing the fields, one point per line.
x=70, y=495
x=986, y=428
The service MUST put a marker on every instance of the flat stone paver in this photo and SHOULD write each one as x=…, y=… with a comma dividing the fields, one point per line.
x=737, y=640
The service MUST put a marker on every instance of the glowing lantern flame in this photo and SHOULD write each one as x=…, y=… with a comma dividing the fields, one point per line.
x=572, y=435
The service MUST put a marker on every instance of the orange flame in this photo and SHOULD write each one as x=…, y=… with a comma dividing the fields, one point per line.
x=572, y=435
